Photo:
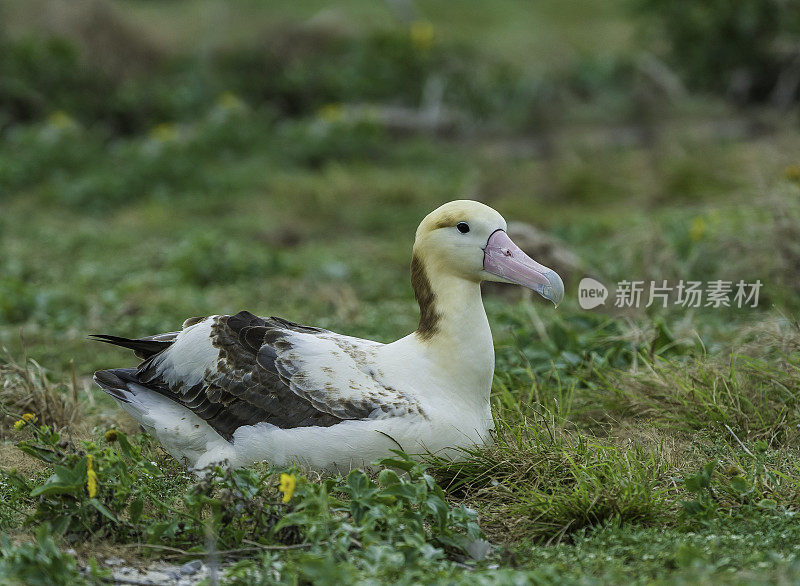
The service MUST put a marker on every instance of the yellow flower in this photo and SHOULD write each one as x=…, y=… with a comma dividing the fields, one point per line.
x=164, y=132
x=792, y=173
x=111, y=435
x=91, y=477
x=421, y=34
x=331, y=112
x=26, y=419
x=288, y=484
x=61, y=120
x=697, y=229
x=230, y=101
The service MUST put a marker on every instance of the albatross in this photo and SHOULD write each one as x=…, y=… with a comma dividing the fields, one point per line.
x=239, y=389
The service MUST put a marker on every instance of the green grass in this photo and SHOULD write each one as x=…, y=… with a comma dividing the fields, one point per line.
x=648, y=446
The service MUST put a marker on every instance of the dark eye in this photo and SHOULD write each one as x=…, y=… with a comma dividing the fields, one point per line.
x=463, y=227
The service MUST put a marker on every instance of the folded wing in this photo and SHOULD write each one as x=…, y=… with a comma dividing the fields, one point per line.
x=241, y=370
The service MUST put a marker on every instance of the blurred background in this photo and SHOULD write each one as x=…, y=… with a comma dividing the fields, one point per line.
x=161, y=159
x=167, y=158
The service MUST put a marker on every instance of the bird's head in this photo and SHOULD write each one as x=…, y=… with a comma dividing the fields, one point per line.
x=468, y=239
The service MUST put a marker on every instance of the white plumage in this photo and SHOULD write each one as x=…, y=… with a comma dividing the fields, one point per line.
x=241, y=389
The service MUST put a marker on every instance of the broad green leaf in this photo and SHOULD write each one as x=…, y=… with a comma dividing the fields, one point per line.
x=101, y=508
x=135, y=510
x=40, y=453
x=388, y=477
x=151, y=468
x=740, y=485
x=439, y=509
x=63, y=480
x=125, y=445
x=402, y=491
x=405, y=465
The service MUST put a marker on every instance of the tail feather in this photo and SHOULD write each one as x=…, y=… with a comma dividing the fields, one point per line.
x=115, y=382
x=182, y=433
x=143, y=347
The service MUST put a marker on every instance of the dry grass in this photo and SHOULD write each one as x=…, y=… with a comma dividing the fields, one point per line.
x=777, y=337
x=12, y=458
x=26, y=388
x=757, y=399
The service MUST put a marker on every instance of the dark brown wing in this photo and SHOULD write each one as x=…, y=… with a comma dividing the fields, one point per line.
x=266, y=370
x=245, y=388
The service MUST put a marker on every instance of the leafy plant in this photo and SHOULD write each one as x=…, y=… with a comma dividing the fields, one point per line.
x=704, y=505
x=397, y=527
x=91, y=489
x=565, y=351
x=37, y=563
x=109, y=492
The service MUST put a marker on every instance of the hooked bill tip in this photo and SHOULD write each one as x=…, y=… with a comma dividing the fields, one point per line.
x=555, y=290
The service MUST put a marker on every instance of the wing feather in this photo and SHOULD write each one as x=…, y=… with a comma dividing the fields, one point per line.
x=270, y=370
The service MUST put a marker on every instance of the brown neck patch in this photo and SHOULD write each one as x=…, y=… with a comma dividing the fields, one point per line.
x=428, y=316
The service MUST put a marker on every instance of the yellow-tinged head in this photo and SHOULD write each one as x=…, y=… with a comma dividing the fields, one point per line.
x=467, y=239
